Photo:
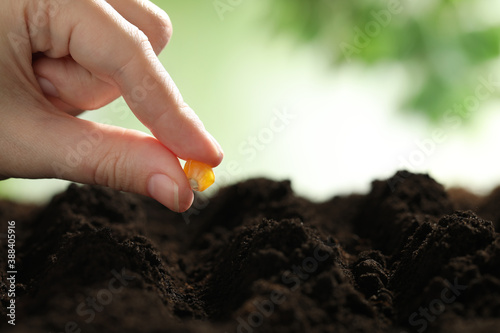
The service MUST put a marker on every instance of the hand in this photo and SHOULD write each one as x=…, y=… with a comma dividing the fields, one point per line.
x=59, y=57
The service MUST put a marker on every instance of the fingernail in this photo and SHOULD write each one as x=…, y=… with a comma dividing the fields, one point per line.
x=217, y=145
x=164, y=190
x=47, y=87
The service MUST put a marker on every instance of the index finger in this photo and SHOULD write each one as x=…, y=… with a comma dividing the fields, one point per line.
x=119, y=53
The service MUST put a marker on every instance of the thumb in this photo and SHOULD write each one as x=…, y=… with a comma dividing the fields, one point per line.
x=86, y=152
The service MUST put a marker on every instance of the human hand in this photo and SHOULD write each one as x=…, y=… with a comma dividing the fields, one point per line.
x=59, y=57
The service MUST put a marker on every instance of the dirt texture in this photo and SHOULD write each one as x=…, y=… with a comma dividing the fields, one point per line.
x=406, y=257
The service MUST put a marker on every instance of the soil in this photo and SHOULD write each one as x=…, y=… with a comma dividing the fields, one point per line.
x=409, y=256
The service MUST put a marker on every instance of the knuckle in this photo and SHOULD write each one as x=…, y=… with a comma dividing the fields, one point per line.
x=38, y=17
x=141, y=40
x=162, y=27
x=140, y=46
x=113, y=170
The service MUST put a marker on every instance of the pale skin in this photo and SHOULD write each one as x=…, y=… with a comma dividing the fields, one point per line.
x=59, y=57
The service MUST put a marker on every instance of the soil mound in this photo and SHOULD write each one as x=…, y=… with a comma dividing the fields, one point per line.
x=406, y=257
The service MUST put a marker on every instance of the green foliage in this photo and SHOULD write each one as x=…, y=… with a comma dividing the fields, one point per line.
x=447, y=40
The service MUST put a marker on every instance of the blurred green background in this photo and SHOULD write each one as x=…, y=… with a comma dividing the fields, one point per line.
x=332, y=94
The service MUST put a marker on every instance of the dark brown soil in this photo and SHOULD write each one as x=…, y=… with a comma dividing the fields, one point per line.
x=407, y=257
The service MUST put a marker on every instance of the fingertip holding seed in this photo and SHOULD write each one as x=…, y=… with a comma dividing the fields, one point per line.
x=200, y=175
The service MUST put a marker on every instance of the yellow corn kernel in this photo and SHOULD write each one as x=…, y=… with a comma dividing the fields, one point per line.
x=200, y=175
